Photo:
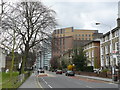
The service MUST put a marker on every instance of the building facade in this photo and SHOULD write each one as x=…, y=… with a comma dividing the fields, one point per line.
x=68, y=38
x=61, y=45
x=77, y=34
x=110, y=48
x=44, y=55
x=92, y=52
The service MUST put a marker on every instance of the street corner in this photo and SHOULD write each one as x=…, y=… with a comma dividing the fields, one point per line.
x=42, y=75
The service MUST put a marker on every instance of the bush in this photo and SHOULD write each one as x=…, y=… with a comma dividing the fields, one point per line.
x=88, y=69
x=105, y=70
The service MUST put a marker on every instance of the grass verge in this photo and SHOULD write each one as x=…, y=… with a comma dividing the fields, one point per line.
x=14, y=82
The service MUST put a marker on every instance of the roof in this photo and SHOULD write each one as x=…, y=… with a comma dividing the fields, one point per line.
x=113, y=30
x=95, y=40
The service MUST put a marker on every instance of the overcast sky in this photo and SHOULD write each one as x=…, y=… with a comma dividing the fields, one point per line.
x=84, y=14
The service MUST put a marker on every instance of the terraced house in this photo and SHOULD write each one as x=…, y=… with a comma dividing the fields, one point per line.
x=110, y=47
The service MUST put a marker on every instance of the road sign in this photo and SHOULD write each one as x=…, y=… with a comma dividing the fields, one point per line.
x=115, y=52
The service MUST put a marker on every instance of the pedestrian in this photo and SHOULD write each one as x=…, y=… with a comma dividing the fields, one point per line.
x=38, y=71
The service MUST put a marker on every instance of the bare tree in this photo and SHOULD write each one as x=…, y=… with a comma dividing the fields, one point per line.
x=10, y=39
x=30, y=20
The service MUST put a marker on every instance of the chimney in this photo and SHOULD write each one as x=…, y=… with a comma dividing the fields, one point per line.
x=118, y=20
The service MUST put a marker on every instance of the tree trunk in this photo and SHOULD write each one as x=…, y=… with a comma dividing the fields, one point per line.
x=24, y=59
x=13, y=58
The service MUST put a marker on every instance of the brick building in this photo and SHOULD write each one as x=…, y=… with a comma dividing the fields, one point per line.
x=92, y=51
x=69, y=38
x=61, y=44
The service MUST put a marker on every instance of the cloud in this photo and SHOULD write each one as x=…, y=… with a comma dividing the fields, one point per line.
x=81, y=0
x=86, y=14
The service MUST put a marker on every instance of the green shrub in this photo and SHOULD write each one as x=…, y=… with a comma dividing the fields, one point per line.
x=105, y=70
x=88, y=69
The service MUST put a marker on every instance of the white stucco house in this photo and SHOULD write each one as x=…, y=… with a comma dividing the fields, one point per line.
x=2, y=58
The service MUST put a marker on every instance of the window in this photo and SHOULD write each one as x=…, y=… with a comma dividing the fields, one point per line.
x=86, y=34
x=72, y=30
x=92, y=53
x=61, y=31
x=55, y=31
x=116, y=46
x=102, y=51
x=83, y=35
x=106, y=49
x=82, y=38
x=113, y=46
x=113, y=34
x=116, y=33
x=89, y=35
x=106, y=38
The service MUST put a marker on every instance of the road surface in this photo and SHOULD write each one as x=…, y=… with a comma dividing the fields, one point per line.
x=61, y=81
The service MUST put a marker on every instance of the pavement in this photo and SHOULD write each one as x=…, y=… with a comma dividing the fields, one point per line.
x=31, y=82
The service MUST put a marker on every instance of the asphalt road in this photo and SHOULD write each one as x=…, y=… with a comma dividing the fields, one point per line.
x=61, y=81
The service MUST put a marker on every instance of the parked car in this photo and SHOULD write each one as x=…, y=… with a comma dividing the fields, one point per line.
x=42, y=71
x=53, y=70
x=59, y=72
x=70, y=73
x=64, y=71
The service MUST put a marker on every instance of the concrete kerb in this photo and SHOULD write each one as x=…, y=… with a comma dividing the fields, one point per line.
x=97, y=78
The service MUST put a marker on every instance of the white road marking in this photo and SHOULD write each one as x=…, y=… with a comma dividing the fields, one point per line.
x=38, y=84
x=46, y=83
x=110, y=83
x=88, y=86
x=49, y=86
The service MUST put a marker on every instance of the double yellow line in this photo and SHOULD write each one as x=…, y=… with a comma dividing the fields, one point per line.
x=38, y=84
